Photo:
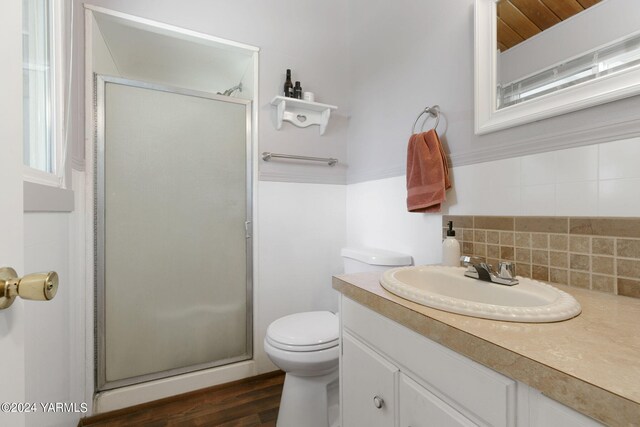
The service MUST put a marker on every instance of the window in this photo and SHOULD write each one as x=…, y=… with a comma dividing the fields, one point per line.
x=42, y=83
x=617, y=56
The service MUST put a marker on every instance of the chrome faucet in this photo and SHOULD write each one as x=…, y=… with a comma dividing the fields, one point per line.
x=478, y=268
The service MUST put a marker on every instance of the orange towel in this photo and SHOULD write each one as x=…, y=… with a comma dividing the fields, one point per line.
x=427, y=173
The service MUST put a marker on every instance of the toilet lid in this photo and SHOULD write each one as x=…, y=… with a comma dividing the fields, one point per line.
x=310, y=331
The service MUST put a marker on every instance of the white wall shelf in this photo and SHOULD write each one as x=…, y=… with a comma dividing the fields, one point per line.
x=302, y=113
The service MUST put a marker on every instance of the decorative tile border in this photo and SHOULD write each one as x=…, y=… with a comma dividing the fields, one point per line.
x=602, y=254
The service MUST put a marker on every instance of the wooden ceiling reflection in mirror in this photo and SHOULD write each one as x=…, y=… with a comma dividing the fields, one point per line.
x=519, y=20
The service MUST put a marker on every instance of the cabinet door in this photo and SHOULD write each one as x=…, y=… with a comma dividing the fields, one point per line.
x=368, y=386
x=421, y=408
x=545, y=412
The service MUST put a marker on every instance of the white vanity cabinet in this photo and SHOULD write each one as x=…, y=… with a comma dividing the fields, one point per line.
x=392, y=376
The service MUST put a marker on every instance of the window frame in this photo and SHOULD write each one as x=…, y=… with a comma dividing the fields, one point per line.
x=57, y=103
x=45, y=191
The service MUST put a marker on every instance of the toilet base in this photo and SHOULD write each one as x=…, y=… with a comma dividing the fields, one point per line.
x=309, y=401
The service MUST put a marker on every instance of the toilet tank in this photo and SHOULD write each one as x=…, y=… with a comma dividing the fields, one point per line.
x=357, y=260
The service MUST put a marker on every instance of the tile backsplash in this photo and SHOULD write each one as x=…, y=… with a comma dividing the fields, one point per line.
x=602, y=254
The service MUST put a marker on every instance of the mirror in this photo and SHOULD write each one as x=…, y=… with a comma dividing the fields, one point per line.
x=538, y=59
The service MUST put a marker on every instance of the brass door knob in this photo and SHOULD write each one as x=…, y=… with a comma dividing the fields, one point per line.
x=37, y=286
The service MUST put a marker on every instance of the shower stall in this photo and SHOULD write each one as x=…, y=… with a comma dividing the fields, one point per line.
x=173, y=259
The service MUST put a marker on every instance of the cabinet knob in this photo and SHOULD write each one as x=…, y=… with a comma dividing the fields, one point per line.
x=378, y=402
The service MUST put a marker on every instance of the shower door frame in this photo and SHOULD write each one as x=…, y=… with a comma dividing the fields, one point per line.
x=101, y=383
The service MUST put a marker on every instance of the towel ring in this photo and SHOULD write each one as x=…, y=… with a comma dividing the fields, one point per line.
x=433, y=112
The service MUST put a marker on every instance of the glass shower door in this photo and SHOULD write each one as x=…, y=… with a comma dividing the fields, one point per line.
x=173, y=251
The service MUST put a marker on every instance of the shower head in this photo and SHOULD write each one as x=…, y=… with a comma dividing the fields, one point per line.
x=230, y=91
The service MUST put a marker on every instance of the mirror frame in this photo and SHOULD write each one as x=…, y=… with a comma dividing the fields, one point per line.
x=488, y=118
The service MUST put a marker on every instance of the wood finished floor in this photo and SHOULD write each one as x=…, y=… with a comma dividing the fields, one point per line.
x=249, y=402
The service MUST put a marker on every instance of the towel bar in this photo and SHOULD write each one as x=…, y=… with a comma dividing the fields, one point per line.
x=266, y=156
x=433, y=112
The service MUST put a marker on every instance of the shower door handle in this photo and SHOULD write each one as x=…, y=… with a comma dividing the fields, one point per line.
x=248, y=229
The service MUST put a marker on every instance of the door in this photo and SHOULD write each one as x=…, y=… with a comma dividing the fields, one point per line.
x=368, y=386
x=12, y=383
x=421, y=408
x=173, y=242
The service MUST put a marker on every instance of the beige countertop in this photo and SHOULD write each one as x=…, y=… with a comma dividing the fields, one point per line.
x=590, y=363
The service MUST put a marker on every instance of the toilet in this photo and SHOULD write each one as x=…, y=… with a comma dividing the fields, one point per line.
x=306, y=347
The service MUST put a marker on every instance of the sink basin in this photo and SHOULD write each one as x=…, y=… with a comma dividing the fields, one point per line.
x=447, y=288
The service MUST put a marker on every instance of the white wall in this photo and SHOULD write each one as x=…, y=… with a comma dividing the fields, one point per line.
x=156, y=57
x=596, y=180
x=55, y=353
x=301, y=229
x=406, y=55
x=50, y=376
x=103, y=62
x=289, y=35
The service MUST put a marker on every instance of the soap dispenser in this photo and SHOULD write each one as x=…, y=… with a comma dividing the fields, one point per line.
x=451, y=248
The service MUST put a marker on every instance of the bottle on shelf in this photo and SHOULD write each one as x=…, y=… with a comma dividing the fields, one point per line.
x=297, y=91
x=288, y=85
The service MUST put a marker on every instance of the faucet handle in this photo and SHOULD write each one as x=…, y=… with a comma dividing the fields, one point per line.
x=472, y=260
x=506, y=270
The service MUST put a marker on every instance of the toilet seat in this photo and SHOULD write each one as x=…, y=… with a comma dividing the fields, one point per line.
x=304, y=332
x=302, y=348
